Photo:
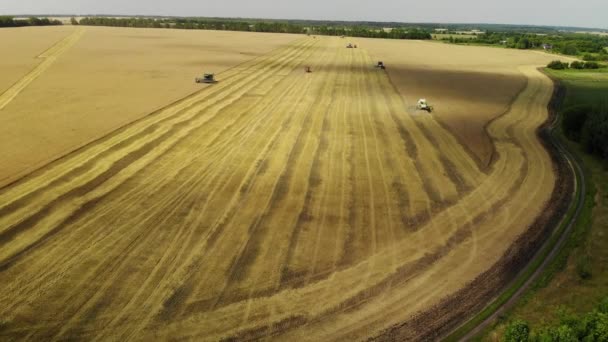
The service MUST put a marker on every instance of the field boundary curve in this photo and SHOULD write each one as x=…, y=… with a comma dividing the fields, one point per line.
x=534, y=269
x=492, y=291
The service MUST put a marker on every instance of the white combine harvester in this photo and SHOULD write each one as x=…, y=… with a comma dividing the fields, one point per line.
x=423, y=105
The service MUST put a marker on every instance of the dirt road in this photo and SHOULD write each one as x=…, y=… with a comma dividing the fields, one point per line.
x=276, y=203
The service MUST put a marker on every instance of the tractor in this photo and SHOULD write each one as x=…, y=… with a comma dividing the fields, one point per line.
x=380, y=65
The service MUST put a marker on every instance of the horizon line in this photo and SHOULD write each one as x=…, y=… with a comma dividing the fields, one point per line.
x=292, y=19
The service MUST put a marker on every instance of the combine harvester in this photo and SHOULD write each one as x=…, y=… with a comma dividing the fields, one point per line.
x=207, y=78
x=423, y=105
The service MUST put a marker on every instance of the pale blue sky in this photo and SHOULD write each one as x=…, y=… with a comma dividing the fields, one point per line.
x=584, y=13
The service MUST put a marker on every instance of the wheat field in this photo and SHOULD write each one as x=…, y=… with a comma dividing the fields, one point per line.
x=275, y=204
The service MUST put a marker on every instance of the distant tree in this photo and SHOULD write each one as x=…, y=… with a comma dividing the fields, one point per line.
x=523, y=44
x=564, y=333
x=6, y=21
x=570, y=49
x=73, y=21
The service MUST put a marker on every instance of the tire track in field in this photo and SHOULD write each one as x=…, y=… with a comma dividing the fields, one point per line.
x=494, y=190
x=233, y=145
x=258, y=230
x=133, y=152
x=49, y=57
x=212, y=178
x=215, y=217
x=375, y=118
x=297, y=182
x=124, y=137
x=293, y=274
x=180, y=291
x=317, y=181
x=72, y=164
x=323, y=206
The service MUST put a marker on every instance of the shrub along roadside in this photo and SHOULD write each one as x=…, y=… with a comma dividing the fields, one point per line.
x=559, y=65
x=591, y=326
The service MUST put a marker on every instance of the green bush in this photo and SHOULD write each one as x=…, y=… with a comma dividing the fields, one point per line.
x=591, y=65
x=557, y=65
x=592, y=326
x=523, y=44
x=577, y=65
x=563, y=333
x=517, y=331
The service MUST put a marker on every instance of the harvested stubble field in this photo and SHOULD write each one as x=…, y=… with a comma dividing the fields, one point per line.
x=80, y=87
x=276, y=203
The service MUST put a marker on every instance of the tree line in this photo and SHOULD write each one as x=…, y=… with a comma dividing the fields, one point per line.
x=591, y=326
x=574, y=44
x=589, y=126
x=559, y=65
x=8, y=21
x=258, y=26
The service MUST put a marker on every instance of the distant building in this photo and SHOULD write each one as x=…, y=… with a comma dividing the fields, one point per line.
x=503, y=42
x=547, y=46
x=441, y=30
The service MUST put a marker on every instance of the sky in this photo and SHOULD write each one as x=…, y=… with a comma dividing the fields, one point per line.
x=581, y=13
